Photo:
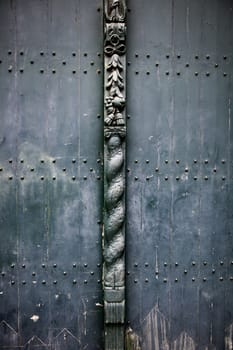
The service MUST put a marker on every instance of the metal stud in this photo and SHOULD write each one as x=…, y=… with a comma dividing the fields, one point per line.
x=185, y=271
x=43, y=282
x=165, y=280
x=146, y=280
x=221, y=279
x=65, y=273
x=176, y=279
x=193, y=279
x=74, y=281
x=204, y=279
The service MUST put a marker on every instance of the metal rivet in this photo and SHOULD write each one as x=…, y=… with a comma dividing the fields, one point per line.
x=136, y=265
x=23, y=282
x=146, y=264
x=73, y=160
x=156, y=169
x=43, y=282
x=92, y=63
x=84, y=177
x=54, y=178
x=195, y=161
x=166, y=161
x=196, y=57
x=156, y=64
x=193, y=279
x=207, y=57
x=214, y=170
x=187, y=65
x=98, y=71
x=73, y=54
x=135, y=281
x=42, y=178
x=135, y=178
x=33, y=273
x=221, y=263
x=136, y=161
x=223, y=161
x=166, y=178
x=167, y=73
x=178, y=73
x=204, y=279
x=177, y=178
x=213, y=270
x=43, y=265
x=21, y=70
x=73, y=178
x=176, y=279
x=92, y=273
x=12, y=282
x=98, y=265
x=98, y=160
x=1, y=169
x=55, y=282
x=32, y=62
x=3, y=274
x=32, y=169
x=23, y=266
x=10, y=69
x=224, y=74
x=177, y=161
x=185, y=271
x=64, y=169
x=74, y=281
x=206, y=161
x=146, y=280
x=84, y=161
x=54, y=265
x=216, y=65
x=64, y=63
x=147, y=56
x=9, y=52
x=207, y=74
x=136, y=55
x=176, y=264
x=10, y=177
x=148, y=73
x=85, y=54
x=167, y=56
x=220, y=278
x=196, y=73
x=74, y=71
x=128, y=273
x=193, y=263
x=204, y=263
x=64, y=273
x=85, y=265
x=147, y=178
x=195, y=178
x=225, y=57
x=41, y=71
x=54, y=71
x=165, y=280
x=22, y=178
x=178, y=56
x=223, y=178
x=186, y=170
x=231, y=278
x=12, y=266
x=85, y=281
x=136, y=72
x=165, y=263
x=85, y=71
x=206, y=178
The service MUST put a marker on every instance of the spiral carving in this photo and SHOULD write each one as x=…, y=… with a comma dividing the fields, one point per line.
x=114, y=210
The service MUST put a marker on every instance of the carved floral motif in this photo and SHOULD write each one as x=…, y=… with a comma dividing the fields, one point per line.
x=115, y=10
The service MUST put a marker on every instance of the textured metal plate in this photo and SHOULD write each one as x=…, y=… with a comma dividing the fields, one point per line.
x=179, y=186
x=51, y=174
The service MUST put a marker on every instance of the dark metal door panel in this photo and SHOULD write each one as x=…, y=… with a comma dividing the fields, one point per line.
x=50, y=174
x=179, y=185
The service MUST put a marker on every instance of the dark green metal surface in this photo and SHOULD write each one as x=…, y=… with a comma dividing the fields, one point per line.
x=50, y=176
x=179, y=185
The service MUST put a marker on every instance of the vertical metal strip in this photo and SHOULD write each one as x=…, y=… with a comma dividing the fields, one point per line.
x=114, y=172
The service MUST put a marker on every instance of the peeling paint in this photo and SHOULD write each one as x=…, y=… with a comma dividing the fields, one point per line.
x=229, y=338
x=132, y=341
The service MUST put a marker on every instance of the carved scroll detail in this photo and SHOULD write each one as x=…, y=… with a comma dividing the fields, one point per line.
x=114, y=172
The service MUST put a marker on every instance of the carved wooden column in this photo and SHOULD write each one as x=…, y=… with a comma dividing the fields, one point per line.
x=114, y=170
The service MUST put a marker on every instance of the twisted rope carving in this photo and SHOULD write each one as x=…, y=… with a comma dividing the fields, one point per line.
x=114, y=211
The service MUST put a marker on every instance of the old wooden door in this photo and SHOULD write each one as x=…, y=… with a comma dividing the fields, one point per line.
x=179, y=182
x=51, y=178
x=176, y=100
